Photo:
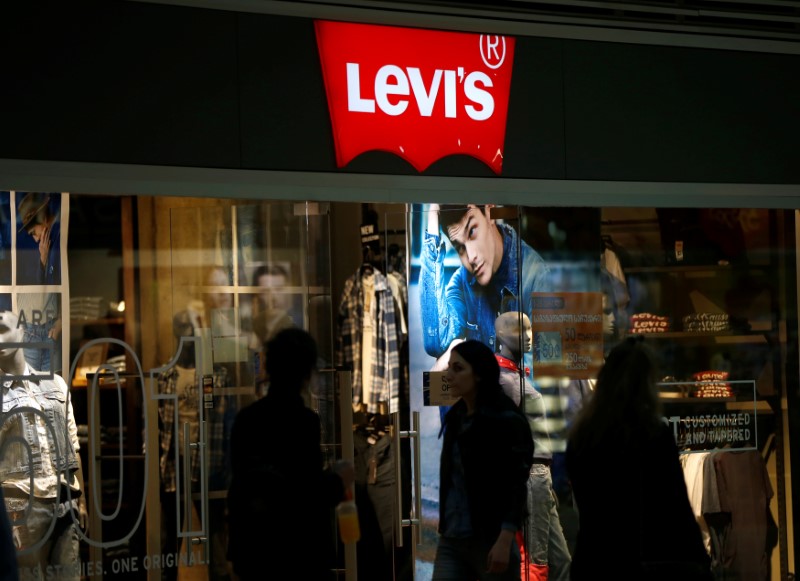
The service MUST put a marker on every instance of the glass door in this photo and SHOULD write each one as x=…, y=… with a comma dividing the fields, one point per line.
x=239, y=274
x=476, y=273
x=450, y=250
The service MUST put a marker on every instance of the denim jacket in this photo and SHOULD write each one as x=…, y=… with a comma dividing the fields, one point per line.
x=463, y=309
x=15, y=423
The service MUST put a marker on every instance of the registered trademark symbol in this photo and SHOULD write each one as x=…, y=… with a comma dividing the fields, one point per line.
x=493, y=50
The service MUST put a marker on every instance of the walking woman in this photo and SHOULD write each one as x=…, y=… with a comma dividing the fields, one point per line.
x=486, y=459
x=635, y=520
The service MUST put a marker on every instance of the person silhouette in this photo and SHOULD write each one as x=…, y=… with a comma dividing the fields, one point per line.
x=545, y=542
x=485, y=463
x=627, y=481
x=280, y=497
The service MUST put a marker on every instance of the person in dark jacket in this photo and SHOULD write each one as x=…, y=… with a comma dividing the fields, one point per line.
x=635, y=520
x=486, y=458
x=280, y=500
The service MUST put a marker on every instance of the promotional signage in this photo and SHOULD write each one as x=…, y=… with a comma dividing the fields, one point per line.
x=712, y=413
x=567, y=334
x=715, y=431
x=435, y=390
x=420, y=94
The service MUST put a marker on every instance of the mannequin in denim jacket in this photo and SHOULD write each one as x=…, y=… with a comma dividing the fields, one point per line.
x=57, y=484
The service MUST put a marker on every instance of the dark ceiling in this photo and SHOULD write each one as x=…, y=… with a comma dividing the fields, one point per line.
x=753, y=19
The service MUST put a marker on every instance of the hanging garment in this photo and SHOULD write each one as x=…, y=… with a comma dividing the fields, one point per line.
x=220, y=421
x=701, y=484
x=744, y=493
x=385, y=384
x=400, y=295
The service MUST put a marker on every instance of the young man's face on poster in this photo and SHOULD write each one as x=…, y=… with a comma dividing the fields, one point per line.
x=478, y=243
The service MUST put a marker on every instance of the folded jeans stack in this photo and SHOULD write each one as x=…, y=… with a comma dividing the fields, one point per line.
x=648, y=323
x=707, y=322
x=712, y=384
x=86, y=307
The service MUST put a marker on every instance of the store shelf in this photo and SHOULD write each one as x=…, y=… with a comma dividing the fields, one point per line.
x=760, y=406
x=106, y=382
x=718, y=337
x=100, y=321
x=711, y=268
x=693, y=400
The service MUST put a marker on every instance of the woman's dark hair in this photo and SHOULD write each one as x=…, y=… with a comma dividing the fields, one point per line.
x=291, y=357
x=625, y=403
x=485, y=367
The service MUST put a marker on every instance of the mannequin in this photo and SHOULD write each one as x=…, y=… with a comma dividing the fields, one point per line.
x=545, y=542
x=57, y=484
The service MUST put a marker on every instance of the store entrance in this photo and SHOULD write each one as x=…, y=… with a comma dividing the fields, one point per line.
x=238, y=274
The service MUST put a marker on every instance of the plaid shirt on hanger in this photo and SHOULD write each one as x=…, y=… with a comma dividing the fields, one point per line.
x=385, y=354
x=219, y=427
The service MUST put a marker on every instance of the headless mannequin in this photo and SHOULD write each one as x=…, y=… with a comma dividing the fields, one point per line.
x=44, y=500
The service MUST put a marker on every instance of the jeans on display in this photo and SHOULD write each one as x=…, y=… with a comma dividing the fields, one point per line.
x=462, y=559
x=545, y=537
x=58, y=558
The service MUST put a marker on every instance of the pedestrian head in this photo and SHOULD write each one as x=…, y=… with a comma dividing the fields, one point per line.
x=474, y=364
x=625, y=403
x=291, y=357
x=628, y=378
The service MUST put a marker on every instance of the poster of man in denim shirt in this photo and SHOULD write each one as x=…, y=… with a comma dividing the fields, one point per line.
x=469, y=264
x=498, y=273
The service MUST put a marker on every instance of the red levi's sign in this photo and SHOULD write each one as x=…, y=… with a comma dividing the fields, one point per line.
x=420, y=94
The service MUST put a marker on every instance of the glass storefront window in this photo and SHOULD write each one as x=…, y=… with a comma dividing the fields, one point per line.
x=155, y=310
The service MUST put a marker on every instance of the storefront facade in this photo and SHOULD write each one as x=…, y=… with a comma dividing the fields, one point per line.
x=194, y=159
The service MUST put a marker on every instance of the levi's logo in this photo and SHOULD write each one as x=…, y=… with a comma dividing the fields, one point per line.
x=420, y=94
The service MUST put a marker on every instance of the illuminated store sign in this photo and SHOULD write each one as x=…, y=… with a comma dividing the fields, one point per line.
x=420, y=94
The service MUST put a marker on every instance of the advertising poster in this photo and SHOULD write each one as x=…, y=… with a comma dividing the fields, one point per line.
x=469, y=266
x=567, y=334
x=33, y=273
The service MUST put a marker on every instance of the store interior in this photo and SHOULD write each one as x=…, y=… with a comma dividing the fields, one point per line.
x=713, y=290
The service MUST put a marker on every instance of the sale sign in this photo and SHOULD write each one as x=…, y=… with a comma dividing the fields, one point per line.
x=567, y=334
x=420, y=94
x=435, y=391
